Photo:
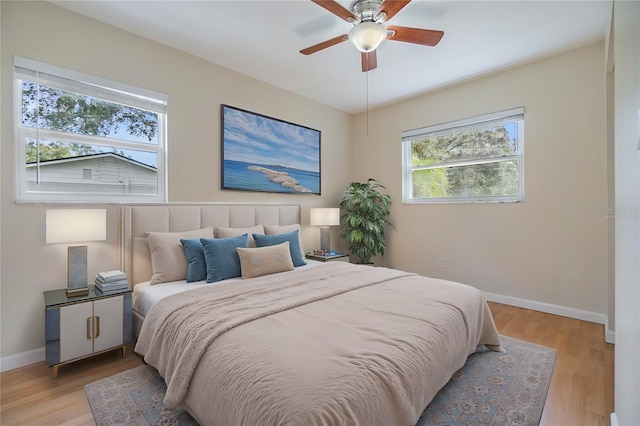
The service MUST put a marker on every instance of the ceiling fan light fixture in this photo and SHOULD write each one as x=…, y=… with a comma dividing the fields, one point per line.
x=367, y=36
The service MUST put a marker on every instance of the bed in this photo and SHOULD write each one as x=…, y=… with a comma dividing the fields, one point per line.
x=322, y=343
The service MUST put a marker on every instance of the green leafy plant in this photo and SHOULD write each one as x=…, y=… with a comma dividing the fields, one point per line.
x=364, y=211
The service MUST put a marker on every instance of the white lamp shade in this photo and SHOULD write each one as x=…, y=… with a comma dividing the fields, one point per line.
x=75, y=225
x=325, y=217
x=367, y=36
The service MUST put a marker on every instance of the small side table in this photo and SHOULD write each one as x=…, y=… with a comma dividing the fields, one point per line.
x=80, y=327
x=331, y=256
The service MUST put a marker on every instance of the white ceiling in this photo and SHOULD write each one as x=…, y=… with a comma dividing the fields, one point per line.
x=262, y=39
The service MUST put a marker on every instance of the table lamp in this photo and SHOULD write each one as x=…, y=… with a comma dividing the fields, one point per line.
x=74, y=226
x=324, y=218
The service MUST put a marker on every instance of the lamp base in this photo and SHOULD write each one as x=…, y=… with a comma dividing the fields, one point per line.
x=77, y=271
x=325, y=239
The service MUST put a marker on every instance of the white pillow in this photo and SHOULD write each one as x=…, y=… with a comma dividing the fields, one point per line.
x=234, y=232
x=265, y=260
x=283, y=229
x=168, y=261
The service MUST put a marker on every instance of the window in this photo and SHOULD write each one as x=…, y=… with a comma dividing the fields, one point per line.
x=81, y=138
x=472, y=160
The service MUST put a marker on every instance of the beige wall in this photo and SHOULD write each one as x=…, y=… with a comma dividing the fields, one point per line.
x=196, y=89
x=552, y=248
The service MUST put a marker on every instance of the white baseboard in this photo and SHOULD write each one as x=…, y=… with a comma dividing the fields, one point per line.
x=11, y=362
x=565, y=311
x=609, y=336
x=614, y=419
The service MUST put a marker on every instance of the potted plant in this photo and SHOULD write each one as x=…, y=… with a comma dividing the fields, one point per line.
x=364, y=211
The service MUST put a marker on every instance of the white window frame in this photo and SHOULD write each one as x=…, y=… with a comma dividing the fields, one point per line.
x=456, y=126
x=96, y=87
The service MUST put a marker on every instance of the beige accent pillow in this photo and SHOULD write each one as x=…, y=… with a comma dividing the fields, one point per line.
x=168, y=261
x=283, y=229
x=234, y=232
x=265, y=260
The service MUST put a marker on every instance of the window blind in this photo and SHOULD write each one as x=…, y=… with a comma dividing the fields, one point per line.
x=72, y=81
x=488, y=120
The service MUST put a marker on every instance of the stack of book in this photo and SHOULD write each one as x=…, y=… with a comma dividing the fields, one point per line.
x=111, y=282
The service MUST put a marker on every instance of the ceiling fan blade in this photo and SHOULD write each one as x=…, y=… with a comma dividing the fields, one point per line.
x=390, y=8
x=337, y=10
x=369, y=61
x=324, y=44
x=415, y=35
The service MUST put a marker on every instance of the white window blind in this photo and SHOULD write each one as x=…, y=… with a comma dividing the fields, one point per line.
x=465, y=124
x=49, y=75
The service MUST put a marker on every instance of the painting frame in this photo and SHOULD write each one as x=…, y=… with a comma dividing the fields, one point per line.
x=267, y=154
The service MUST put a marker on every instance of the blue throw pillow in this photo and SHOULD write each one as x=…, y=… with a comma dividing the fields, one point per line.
x=294, y=244
x=196, y=265
x=222, y=258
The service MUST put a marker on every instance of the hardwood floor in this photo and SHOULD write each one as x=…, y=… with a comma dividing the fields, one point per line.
x=581, y=391
x=32, y=396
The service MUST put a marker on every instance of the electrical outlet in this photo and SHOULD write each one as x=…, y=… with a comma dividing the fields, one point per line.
x=442, y=262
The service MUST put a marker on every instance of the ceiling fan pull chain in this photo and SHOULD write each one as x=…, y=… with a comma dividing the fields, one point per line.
x=367, y=74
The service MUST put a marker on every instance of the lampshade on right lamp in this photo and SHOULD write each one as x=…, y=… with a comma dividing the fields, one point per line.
x=325, y=218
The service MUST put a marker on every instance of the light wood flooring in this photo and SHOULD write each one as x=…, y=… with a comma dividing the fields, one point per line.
x=581, y=391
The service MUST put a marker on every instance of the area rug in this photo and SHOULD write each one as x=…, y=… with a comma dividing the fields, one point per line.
x=491, y=389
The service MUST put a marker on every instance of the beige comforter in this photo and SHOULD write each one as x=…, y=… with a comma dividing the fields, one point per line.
x=334, y=344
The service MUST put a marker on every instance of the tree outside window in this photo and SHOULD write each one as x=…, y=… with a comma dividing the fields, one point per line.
x=82, y=140
x=460, y=162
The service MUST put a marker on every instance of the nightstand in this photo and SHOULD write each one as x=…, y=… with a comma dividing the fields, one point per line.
x=79, y=327
x=330, y=256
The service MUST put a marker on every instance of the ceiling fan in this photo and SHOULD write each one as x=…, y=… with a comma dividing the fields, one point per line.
x=368, y=17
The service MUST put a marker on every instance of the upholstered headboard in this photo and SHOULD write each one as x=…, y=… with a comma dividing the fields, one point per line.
x=137, y=220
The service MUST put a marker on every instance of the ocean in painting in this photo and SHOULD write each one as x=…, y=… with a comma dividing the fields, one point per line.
x=237, y=175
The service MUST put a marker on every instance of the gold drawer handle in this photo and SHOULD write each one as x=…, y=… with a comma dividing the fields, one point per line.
x=89, y=328
x=97, y=333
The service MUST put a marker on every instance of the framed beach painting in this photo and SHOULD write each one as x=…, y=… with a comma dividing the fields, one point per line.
x=261, y=153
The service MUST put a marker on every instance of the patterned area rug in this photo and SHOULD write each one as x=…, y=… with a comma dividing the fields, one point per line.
x=491, y=389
